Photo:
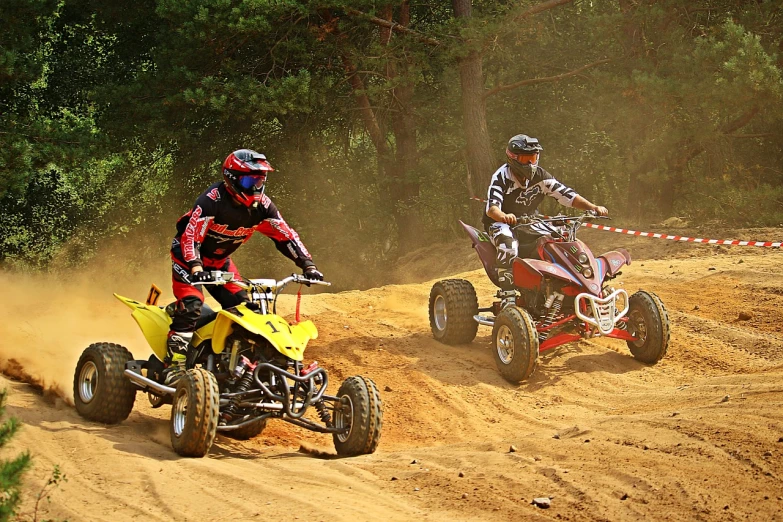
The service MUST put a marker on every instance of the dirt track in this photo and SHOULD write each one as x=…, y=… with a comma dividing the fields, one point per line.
x=697, y=437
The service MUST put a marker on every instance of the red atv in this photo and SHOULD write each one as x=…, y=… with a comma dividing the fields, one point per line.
x=559, y=298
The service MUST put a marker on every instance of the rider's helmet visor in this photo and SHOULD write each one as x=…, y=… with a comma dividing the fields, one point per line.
x=252, y=181
x=527, y=159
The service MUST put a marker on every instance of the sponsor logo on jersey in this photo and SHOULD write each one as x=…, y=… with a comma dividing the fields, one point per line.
x=189, y=244
x=225, y=231
x=526, y=198
x=214, y=194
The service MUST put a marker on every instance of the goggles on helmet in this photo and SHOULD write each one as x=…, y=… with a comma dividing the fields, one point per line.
x=525, y=158
x=251, y=181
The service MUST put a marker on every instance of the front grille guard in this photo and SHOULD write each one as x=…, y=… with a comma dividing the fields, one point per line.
x=604, y=310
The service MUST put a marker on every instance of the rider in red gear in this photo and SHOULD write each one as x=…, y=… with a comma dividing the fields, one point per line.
x=223, y=217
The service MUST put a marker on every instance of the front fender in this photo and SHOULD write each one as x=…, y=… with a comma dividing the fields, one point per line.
x=288, y=339
x=529, y=273
x=611, y=262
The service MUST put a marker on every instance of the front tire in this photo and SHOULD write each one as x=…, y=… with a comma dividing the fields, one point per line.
x=360, y=410
x=101, y=391
x=515, y=343
x=453, y=304
x=649, y=321
x=194, y=413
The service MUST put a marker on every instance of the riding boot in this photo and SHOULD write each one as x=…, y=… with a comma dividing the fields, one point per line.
x=176, y=356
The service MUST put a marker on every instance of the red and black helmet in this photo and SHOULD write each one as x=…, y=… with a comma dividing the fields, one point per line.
x=244, y=173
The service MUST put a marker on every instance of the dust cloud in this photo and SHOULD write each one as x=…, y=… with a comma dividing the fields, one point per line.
x=49, y=319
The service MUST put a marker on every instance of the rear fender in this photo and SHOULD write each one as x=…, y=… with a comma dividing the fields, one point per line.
x=611, y=262
x=153, y=321
x=288, y=339
x=486, y=251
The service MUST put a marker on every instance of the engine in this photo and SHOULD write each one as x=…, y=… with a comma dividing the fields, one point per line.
x=236, y=367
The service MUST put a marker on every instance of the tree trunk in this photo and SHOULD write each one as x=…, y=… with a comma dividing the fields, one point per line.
x=480, y=160
x=404, y=190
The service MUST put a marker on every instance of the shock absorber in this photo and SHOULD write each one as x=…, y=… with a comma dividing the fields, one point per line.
x=245, y=370
x=553, y=304
x=323, y=413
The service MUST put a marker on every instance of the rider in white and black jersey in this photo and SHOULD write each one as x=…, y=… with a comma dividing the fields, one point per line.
x=517, y=188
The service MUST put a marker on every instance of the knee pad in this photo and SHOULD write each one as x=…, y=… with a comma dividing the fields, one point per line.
x=505, y=243
x=185, y=314
x=507, y=250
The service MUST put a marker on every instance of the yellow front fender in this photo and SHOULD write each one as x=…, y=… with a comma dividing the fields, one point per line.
x=153, y=321
x=288, y=339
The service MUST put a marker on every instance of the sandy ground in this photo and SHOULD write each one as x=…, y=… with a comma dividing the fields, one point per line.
x=698, y=436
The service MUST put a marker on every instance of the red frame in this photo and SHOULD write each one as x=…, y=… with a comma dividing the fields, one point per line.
x=565, y=338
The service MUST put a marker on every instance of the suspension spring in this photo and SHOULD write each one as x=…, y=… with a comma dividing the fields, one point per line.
x=244, y=385
x=323, y=413
x=557, y=302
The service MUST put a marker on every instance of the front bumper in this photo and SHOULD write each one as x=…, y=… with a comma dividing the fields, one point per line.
x=601, y=312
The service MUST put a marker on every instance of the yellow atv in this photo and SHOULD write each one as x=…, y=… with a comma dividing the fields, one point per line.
x=244, y=366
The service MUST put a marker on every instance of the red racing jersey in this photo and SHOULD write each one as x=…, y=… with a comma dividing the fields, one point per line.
x=216, y=226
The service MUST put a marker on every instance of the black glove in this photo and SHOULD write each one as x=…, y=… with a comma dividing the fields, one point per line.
x=200, y=277
x=311, y=272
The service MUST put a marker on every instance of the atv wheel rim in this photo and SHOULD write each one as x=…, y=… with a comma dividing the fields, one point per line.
x=636, y=320
x=505, y=344
x=439, y=313
x=88, y=381
x=344, y=419
x=179, y=414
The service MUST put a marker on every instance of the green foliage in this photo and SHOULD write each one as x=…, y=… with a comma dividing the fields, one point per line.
x=11, y=471
x=112, y=120
x=54, y=481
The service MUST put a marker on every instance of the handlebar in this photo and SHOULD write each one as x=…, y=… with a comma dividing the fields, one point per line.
x=588, y=214
x=220, y=277
x=571, y=223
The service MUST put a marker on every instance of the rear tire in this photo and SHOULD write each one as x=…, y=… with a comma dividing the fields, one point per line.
x=453, y=304
x=648, y=320
x=246, y=432
x=361, y=411
x=194, y=413
x=515, y=343
x=101, y=391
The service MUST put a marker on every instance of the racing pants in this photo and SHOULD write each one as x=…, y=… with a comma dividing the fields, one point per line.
x=190, y=298
x=512, y=243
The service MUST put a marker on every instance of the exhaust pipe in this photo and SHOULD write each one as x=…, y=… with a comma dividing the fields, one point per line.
x=148, y=384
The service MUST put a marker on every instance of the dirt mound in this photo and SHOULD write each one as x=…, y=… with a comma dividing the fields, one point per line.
x=697, y=436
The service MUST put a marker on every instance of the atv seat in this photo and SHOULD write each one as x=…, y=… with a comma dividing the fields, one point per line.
x=207, y=315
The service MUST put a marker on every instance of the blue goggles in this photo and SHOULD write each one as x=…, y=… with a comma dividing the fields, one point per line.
x=248, y=182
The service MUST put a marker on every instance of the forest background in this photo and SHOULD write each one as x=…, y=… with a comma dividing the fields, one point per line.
x=381, y=118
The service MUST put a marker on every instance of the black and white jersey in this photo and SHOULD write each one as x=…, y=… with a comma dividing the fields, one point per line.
x=512, y=198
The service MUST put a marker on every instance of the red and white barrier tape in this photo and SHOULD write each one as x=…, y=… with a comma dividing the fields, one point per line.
x=772, y=244
x=775, y=244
